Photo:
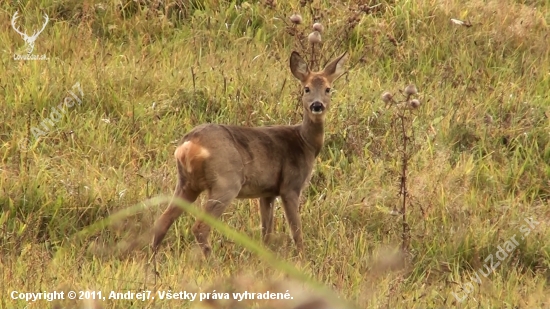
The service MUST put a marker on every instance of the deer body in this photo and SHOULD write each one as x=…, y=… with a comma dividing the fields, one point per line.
x=245, y=152
x=262, y=162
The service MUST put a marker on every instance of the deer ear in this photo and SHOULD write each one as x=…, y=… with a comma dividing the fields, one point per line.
x=298, y=67
x=335, y=68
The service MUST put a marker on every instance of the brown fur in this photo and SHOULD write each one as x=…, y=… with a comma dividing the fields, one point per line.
x=264, y=162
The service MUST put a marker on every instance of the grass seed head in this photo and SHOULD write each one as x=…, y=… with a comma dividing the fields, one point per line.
x=314, y=37
x=488, y=119
x=318, y=27
x=296, y=19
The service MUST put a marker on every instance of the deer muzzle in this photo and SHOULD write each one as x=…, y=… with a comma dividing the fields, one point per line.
x=317, y=107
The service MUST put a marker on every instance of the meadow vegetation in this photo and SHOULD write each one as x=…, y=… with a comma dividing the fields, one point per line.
x=478, y=151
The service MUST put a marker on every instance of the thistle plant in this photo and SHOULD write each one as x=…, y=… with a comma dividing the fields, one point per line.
x=403, y=112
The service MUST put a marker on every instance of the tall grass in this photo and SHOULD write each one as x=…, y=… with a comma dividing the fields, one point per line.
x=152, y=70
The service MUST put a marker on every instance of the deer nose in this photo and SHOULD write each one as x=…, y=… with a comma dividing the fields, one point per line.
x=317, y=107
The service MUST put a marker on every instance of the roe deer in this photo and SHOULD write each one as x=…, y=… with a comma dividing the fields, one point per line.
x=262, y=162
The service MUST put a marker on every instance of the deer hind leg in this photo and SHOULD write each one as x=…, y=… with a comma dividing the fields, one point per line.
x=219, y=197
x=266, y=213
x=290, y=204
x=173, y=211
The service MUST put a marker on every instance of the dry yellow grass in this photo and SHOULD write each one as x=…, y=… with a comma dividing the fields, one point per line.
x=152, y=70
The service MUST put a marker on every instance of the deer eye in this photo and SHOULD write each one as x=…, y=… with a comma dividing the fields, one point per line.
x=306, y=89
x=327, y=90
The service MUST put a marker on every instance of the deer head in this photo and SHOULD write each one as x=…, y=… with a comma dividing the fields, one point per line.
x=29, y=40
x=317, y=85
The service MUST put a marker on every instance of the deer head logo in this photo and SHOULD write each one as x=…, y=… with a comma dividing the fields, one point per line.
x=29, y=40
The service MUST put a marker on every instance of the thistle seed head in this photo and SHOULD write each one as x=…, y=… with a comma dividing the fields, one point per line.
x=411, y=90
x=387, y=97
x=296, y=19
x=314, y=37
x=318, y=27
x=415, y=103
x=271, y=3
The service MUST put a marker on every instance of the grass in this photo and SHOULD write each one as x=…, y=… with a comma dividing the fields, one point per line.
x=478, y=159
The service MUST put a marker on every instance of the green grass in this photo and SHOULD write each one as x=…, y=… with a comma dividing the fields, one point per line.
x=479, y=162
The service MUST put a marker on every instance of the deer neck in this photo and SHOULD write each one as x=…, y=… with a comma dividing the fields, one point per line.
x=313, y=133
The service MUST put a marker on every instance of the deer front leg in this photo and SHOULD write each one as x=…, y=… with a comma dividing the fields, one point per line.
x=266, y=213
x=290, y=204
